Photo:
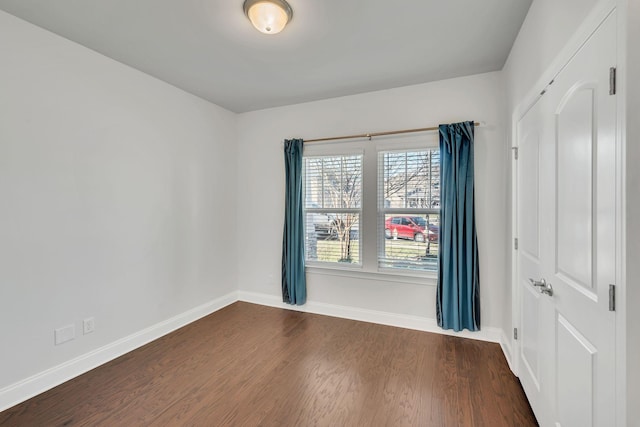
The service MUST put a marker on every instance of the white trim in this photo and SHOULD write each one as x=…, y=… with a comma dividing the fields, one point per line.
x=515, y=290
x=621, y=229
x=369, y=265
x=505, y=344
x=372, y=316
x=388, y=276
x=45, y=380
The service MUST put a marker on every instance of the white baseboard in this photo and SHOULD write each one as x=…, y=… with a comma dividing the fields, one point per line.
x=43, y=381
x=384, y=318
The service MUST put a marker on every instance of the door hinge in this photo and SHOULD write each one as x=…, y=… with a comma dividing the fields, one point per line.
x=515, y=333
x=515, y=152
x=612, y=297
x=612, y=80
x=515, y=243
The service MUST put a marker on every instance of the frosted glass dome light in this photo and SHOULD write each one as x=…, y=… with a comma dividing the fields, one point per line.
x=268, y=16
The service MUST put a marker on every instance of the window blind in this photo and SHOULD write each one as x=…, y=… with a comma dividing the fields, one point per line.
x=333, y=208
x=408, y=209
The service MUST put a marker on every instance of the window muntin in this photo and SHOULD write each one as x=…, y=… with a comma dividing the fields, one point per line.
x=408, y=209
x=360, y=246
x=333, y=208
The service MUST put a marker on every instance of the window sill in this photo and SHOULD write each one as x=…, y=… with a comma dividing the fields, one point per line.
x=356, y=272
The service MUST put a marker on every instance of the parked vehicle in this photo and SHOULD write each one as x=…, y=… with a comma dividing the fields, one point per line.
x=410, y=227
x=328, y=225
x=329, y=230
x=324, y=228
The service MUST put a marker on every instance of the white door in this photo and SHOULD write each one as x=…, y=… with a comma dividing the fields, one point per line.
x=530, y=232
x=566, y=192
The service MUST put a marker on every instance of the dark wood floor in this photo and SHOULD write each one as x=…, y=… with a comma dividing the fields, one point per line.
x=250, y=365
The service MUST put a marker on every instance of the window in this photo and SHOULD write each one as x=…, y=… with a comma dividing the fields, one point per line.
x=333, y=208
x=373, y=206
x=408, y=209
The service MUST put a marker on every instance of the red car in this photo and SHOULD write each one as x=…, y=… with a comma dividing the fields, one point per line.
x=410, y=227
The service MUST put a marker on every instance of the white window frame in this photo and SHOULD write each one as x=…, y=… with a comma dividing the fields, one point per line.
x=383, y=211
x=371, y=231
x=327, y=211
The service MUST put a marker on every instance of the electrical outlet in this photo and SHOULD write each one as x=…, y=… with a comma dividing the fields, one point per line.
x=64, y=334
x=88, y=325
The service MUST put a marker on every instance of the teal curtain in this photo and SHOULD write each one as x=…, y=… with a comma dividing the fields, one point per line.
x=294, y=285
x=458, y=294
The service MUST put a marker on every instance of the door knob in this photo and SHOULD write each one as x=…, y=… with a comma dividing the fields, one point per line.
x=538, y=283
x=548, y=290
x=545, y=287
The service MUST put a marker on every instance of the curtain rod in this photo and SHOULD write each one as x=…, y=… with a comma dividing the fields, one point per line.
x=371, y=135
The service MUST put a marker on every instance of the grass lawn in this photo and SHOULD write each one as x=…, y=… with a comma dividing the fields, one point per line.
x=330, y=250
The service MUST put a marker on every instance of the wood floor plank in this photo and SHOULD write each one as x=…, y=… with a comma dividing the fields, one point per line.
x=252, y=365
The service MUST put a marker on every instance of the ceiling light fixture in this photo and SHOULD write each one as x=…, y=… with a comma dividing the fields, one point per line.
x=268, y=16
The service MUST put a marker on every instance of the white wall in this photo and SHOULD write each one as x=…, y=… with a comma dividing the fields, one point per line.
x=261, y=187
x=117, y=199
x=547, y=28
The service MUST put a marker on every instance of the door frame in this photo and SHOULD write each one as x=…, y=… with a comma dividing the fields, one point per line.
x=593, y=21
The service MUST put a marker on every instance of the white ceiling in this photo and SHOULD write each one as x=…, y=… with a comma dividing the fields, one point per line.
x=331, y=47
